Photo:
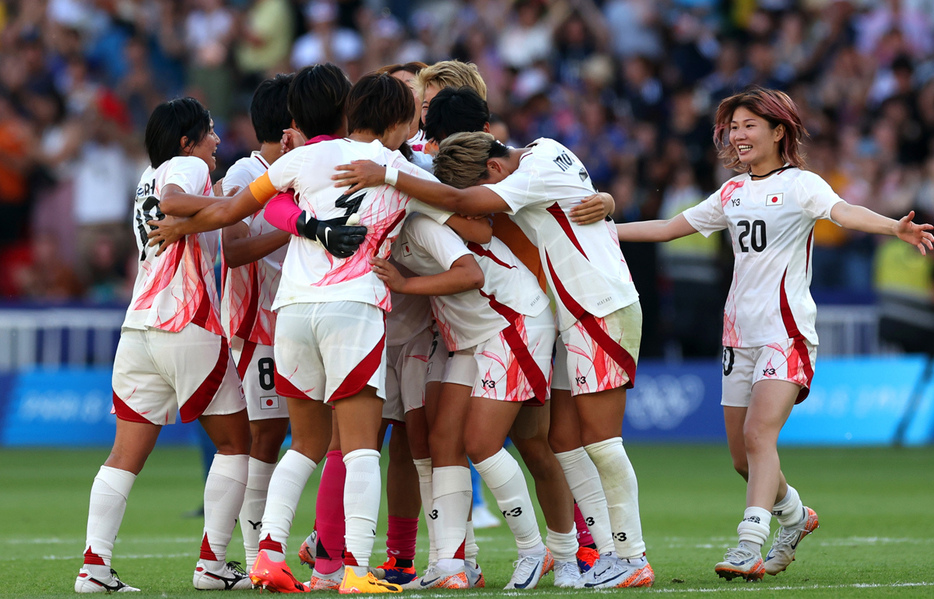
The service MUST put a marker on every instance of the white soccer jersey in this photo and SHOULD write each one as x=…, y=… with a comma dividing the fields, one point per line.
x=249, y=290
x=584, y=266
x=178, y=287
x=771, y=224
x=311, y=274
x=468, y=318
x=411, y=314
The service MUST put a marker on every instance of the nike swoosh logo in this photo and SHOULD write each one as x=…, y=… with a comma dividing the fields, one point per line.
x=527, y=582
x=427, y=583
x=601, y=583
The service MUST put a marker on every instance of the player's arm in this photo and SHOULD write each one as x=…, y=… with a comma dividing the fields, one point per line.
x=241, y=248
x=593, y=209
x=175, y=202
x=655, y=230
x=472, y=201
x=465, y=274
x=863, y=219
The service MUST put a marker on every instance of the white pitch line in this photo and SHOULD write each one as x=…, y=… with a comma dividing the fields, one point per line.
x=755, y=588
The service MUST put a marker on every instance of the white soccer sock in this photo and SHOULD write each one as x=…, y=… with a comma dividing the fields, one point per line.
x=502, y=474
x=452, y=497
x=109, y=491
x=587, y=490
x=471, y=549
x=423, y=466
x=754, y=529
x=285, y=490
x=362, y=488
x=789, y=511
x=622, y=495
x=254, y=503
x=563, y=545
x=223, y=498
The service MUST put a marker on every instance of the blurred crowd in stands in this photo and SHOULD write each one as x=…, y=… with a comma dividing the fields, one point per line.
x=628, y=85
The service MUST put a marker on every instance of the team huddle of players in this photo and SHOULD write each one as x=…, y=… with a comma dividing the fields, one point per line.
x=358, y=289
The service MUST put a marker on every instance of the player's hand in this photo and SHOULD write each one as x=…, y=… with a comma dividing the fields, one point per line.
x=167, y=231
x=388, y=274
x=340, y=236
x=917, y=235
x=593, y=209
x=218, y=188
x=291, y=138
x=359, y=174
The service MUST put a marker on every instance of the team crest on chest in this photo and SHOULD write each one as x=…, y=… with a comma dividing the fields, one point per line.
x=775, y=199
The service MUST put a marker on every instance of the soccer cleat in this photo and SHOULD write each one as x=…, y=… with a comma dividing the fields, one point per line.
x=86, y=583
x=786, y=541
x=610, y=572
x=475, y=578
x=325, y=582
x=740, y=562
x=436, y=578
x=368, y=584
x=231, y=578
x=530, y=569
x=274, y=576
x=390, y=572
x=586, y=557
x=306, y=553
x=566, y=574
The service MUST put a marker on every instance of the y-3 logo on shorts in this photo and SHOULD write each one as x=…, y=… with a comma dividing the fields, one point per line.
x=768, y=372
x=580, y=380
x=488, y=384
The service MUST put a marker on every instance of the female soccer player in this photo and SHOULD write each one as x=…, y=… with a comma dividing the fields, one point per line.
x=598, y=312
x=172, y=356
x=769, y=340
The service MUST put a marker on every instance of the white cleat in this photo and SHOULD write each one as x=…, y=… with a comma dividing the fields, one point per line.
x=231, y=577
x=610, y=571
x=88, y=583
x=786, y=542
x=530, y=570
x=567, y=574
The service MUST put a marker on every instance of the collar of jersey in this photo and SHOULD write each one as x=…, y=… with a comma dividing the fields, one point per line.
x=315, y=140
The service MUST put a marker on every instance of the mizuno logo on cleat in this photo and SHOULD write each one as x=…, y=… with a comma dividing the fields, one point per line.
x=116, y=586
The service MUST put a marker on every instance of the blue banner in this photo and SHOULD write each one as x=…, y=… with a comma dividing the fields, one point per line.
x=66, y=408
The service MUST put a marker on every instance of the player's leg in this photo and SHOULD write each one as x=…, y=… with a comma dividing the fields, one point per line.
x=403, y=505
x=326, y=545
x=269, y=422
x=529, y=433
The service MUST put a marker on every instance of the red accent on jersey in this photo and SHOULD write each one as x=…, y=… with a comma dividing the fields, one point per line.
x=287, y=389
x=205, y=311
x=168, y=266
x=588, y=321
x=357, y=378
x=727, y=193
x=807, y=254
x=124, y=412
x=92, y=559
x=565, y=225
x=246, y=356
x=201, y=398
x=520, y=349
x=206, y=551
x=478, y=249
x=249, y=319
x=787, y=317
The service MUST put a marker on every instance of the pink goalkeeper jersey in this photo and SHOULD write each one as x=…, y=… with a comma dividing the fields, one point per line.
x=249, y=290
x=584, y=266
x=310, y=274
x=471, y=317
x=178, y=287
x=771, y=225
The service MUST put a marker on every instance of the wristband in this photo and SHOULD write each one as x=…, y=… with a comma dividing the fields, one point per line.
x=391, y=176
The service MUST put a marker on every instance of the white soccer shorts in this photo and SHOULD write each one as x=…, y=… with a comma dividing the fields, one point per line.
x=257, y=369
x=789, y=360
x=158, y=373
x=602, y=353
x=330, y=350
x=406, y=376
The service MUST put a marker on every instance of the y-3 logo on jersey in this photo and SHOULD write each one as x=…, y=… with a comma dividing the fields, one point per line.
x=734, y=202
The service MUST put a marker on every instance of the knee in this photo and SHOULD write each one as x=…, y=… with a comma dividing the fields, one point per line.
x=741, y=466
x=479, y=447
x=538, y=457
x=267, y=442
x=562, y=439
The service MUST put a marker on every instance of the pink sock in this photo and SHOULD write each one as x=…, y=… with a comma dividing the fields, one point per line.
x=400, y=538
x=583, y=533
x=329, y=515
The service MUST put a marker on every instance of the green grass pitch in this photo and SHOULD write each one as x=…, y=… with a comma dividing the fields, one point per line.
x=876, y=537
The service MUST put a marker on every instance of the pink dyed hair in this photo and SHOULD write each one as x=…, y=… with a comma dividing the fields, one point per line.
x=777, y=109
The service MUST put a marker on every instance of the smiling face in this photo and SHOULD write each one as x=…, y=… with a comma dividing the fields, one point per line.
x=755, y=141
x=206, y=149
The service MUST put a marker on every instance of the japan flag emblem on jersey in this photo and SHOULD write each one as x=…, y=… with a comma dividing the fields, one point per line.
x=775, y=199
